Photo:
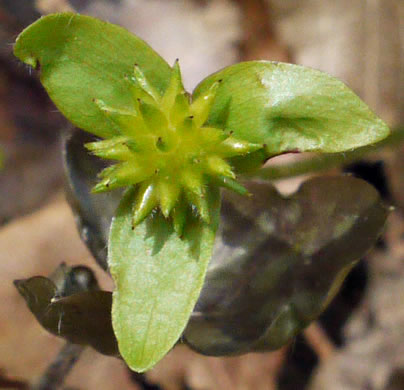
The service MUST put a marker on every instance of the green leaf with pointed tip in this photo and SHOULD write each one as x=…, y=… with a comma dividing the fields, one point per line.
x=158, y=278
x=290, y=108
x=83, y=59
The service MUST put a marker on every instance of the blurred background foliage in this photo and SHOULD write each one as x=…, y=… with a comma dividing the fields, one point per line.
x=358, y=343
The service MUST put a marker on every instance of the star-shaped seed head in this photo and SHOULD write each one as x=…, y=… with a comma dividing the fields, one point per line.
x=163, y=146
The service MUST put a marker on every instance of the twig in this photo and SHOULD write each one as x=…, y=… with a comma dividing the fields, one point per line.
x=326, y=161
x=55, y=374
x=11, y=383
x=319, y=341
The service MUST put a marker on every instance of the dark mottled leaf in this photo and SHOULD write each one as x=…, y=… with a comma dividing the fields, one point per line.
x=71, y=280
x=93, y=212
x=82, y=318
x=278, y=262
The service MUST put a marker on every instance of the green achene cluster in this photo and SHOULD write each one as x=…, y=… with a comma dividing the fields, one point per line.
x=165, y=150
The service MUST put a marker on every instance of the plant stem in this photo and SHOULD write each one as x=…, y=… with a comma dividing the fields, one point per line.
x=54, y=376
x=325, y=161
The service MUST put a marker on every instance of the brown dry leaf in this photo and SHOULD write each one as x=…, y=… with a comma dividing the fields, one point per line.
x=35, y=245
x=52, y=6
x=29, y=124
x=360, y=42
x=247, y=372
x=202, y=35
x=259, y=41
x=170, y=373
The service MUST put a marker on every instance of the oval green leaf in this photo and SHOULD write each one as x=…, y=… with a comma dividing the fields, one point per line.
x=291, y=108
x=83, y=59
x=158, y=278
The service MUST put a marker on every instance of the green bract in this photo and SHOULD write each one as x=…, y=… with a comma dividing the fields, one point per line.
x=172, y=152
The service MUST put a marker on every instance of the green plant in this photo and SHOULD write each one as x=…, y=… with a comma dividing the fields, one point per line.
x=173, y=151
